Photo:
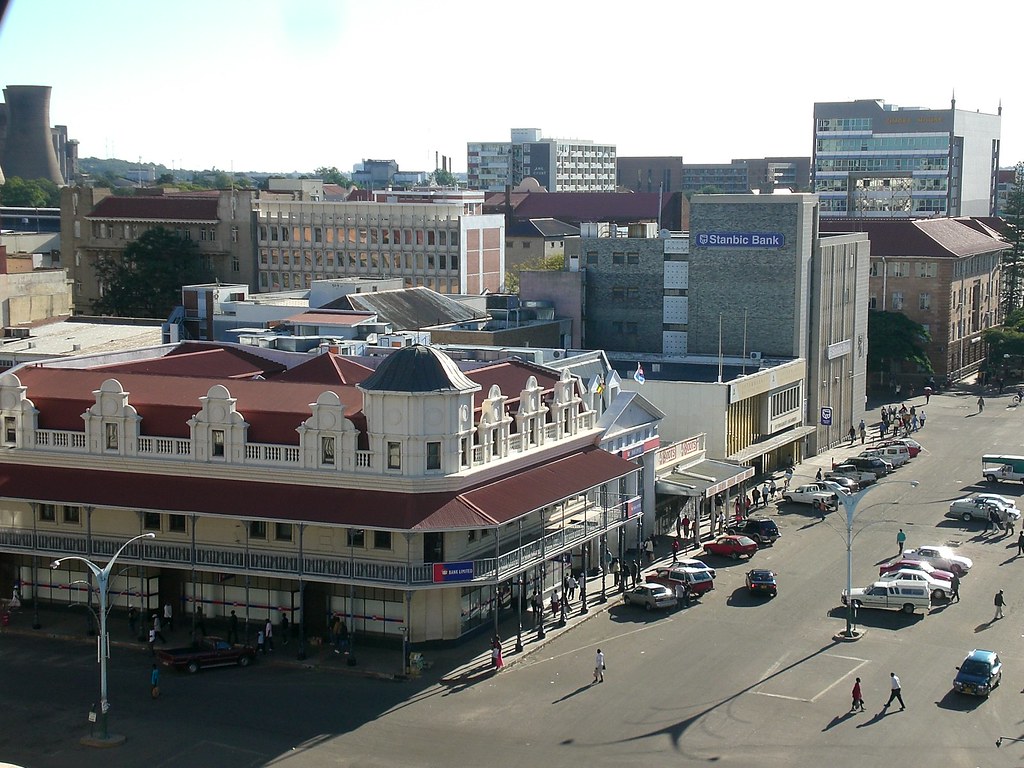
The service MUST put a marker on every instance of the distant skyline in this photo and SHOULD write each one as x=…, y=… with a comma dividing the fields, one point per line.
x=262, y=85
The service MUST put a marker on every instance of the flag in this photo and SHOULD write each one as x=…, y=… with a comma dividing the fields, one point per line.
x=638, y=374
x=600, y=385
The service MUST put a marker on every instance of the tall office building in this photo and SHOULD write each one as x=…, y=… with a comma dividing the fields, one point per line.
x=877, y=160
x=558, y=165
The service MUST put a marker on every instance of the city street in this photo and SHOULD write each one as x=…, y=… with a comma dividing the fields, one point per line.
x=733, y=680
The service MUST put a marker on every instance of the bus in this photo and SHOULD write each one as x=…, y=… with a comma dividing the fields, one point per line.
x=996, y=468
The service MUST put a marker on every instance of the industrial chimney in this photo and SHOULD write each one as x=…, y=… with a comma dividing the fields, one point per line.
x=28, y=147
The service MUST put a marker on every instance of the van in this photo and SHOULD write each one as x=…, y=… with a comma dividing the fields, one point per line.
x=996, y=467
x=897, y=455
x=906, y=596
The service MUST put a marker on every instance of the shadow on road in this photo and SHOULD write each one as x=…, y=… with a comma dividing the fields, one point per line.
x=957, y=702
x=741, y=597
x=984, y=625
x=879, y=619
x=880, y=715
x=577, y=692
x=838, y=720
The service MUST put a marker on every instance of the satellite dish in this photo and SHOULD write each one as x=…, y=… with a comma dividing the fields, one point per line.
x=664, y=234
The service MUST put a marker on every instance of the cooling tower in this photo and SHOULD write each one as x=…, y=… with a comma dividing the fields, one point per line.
x=28, y=148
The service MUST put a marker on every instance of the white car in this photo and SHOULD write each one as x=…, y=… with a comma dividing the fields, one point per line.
x=1005, y=501
x=978, y=508
x=862, y=477
x=696, y=565
x=807, y=494
x=829, y=486
x=938, y=587
x=941, y=557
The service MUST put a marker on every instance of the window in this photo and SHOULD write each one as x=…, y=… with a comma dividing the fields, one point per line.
x=10, y=429
x=872, y=302
x=73, y=515
x=234, y=234
x=236, y=265
x=257, y=529
x=897, y=300
x=176, y=523
x=283, y=531
x=632, y=258
x=874, y=268
x=591, y=258
x=433, y=455
x=151, y=521
x=356, y=537
x=618, y=294
x=899, y=269
x=47, y=513
x=382, y=539
x=327, y=450
x=924, y=301
x=618, y=258
x=217, y=440
x=394, y=455
x=110, y=436
x=927, y=269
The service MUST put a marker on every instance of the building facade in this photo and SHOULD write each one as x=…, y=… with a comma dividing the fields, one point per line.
x=408, y=497
x=877, y=160
x=558, y=165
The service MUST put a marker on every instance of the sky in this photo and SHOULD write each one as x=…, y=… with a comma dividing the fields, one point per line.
x=291, y=85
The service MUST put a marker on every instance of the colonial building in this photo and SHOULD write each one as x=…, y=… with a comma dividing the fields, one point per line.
x=411, y=497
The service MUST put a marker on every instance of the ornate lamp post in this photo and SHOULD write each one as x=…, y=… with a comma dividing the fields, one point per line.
x=102, y=576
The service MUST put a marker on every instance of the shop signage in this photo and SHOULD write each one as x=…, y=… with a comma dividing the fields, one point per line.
x=741, y=239
x=453, y=572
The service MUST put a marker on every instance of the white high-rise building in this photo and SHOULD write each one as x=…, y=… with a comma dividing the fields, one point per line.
x=558, y=165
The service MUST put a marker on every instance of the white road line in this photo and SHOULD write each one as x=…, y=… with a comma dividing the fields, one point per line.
x=780, y=696
x=837, y=682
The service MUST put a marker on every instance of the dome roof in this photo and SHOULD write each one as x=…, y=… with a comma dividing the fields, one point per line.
x=417, y=369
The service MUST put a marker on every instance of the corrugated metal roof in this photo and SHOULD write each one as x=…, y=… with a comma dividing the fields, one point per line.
x=410, y=309
x=170, y=208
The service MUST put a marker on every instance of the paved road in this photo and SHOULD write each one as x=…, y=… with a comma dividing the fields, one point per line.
x=732, y=681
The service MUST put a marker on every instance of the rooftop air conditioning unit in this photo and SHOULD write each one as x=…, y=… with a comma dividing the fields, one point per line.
x=755, y=355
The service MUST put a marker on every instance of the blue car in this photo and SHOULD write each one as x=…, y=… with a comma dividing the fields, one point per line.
x=979, y=673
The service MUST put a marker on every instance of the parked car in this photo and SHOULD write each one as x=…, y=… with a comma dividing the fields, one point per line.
x=891, y=595
x=650, y=596
x=897, y=455
x=731, y=546
x=208, y=652
x=761, y=529
x=698, y=581
x=979, y=673
x=834, y=486
x=879, y=467
x=940, y=588
x=1004, y=500
x=859, y=476
x=918, y=565
x=807, y=494
x=941, y=557
x=696, y=565
x=911, y=445
x=762, y=582
x=975, y=508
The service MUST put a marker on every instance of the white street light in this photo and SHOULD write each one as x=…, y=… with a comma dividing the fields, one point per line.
x=102, y=576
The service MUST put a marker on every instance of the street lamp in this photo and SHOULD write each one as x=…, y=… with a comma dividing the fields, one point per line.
x=850, y=502
x=102, y=576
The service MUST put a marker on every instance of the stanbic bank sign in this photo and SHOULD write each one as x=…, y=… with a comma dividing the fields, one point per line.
x=740, y=240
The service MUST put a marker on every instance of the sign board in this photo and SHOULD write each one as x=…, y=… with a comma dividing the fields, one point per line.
x=740, y=239
x=826, y=416
x=453, y=572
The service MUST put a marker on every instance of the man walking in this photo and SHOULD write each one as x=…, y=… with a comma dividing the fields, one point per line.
x=863, y=431
x=675, y=550
x=901, y=540
x=999, y=601
x=168, y=617
x=1020, y=543
x=858, y=699
x=154, y=682
x=954, y=583
x=895, y=692
x=233, y=628
x=599, y=667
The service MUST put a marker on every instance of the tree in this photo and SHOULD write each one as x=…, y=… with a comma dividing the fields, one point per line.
x=549, y=263
x=30, y=193
x=331, y=175
x=1006, y=343
x=442, y=178
x=1013, y=258
x=893, y=339
x=147, y=280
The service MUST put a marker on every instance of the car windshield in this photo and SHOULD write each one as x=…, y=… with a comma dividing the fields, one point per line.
x=975, y=668
x=744, y=541
x=760, y=576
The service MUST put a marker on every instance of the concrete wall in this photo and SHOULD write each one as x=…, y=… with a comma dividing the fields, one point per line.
x=26, y=298
x=565, y=292
x=979, y=166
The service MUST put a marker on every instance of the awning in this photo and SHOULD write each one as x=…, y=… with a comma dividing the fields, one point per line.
x=704, y=479
x=769, y=445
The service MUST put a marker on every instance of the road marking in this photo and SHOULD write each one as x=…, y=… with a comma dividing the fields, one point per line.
x=771, y=671
x=838, y=681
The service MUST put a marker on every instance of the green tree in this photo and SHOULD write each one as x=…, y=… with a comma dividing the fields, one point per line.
x=332, y=175
x=549, y=263
x=147, y=280
x=893, y=339
x=1013, y=258
x=443, y=178
x=30, y=193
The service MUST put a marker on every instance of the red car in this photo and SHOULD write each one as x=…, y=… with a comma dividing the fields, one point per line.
x=732, y=546
x=913, y=448
x=917, y=565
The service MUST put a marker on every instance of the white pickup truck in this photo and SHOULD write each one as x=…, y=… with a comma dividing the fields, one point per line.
x=807, y=494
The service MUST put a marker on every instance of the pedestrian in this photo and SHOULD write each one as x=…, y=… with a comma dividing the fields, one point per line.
x=852, y=434
x=817, y=476
x=858, y=699
x=686, y=526
x=765, y=492
x=755, y=496
x=994, y=520
x=1020, y=543
x=679, y=527
x=574, y=585
x=168, y=617
x=863, y=429
x=981, y=404
x=635, y=572
x=152, y=641
x=200, y=620
x=1009, y=525
x=954, y=587
x=999, y=601
x=233, y=628
x=260, y=642
x=901, y=540
x=649, y=548
x=285, y=628
x=268, y=634
x=675, y=550
x=133, y=621
x=154, y=682
x=615, y=572
x=599, y=667
x=913, y=422
x=682, y=591
x=555, y=604
x=895, y=692
x=156, y=628
x=773, y=488
x=738, y=509
x=344, y=641
x=921, y=417
x=927, y=396
x=789, y=478
x=496, y=661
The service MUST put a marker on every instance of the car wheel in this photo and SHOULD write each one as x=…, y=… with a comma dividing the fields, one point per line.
x=990, y=478
x=938, y=594
x=193, y=667
x=787, y=498
x=735, y=555
x=856, y=605
x=647, y=606
x=908, y=608
x=966, y=517
x=243, y=661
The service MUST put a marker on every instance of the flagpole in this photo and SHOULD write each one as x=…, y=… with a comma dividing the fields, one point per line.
x=719, y=347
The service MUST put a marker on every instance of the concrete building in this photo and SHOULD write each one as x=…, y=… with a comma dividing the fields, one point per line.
x=671, y=174
x=558, y=165
x=943, y=274
x=412, y=498
x=97, y=225
x=62, y=337
x=877, y=160
x=534, y=240
x=650, y=174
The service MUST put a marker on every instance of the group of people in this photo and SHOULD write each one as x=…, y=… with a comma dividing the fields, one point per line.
x=909, y=420
x=895, y=694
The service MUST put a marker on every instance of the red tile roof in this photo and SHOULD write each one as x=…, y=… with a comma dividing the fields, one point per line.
x=495, y=503
x=171, y=208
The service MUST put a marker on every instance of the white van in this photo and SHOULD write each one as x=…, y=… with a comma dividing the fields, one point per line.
x=897, y=455
x=906, y=596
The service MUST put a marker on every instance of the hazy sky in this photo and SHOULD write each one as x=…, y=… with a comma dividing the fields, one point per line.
x=282, y=86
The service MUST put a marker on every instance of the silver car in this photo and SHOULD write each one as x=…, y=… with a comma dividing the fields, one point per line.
x=650, y=596
x=978, y=508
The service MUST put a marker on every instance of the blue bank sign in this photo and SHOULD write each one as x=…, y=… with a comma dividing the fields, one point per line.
x=453, y=572
x=740, y=239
